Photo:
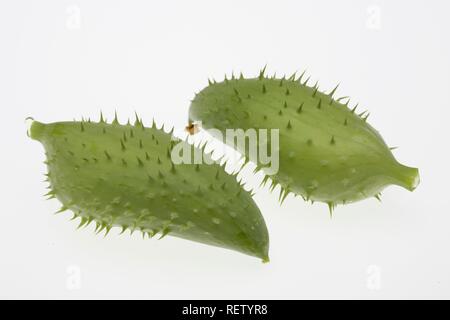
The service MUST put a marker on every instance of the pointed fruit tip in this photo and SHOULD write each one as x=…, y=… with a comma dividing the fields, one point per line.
x=265, y=259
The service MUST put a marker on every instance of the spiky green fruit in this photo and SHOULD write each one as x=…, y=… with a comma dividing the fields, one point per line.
x=327, y=152
x=122, y=175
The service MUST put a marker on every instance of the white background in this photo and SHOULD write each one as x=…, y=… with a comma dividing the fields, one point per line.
x=61, y=60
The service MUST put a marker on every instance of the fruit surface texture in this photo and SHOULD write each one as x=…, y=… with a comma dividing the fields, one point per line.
x=122, y=175
x=327, y=151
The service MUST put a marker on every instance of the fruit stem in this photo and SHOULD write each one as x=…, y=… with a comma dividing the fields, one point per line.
x=36, y=129
x=407, y=177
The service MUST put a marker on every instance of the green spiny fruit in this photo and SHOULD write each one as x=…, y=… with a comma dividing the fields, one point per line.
x=327, y=152
x=122, y=175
